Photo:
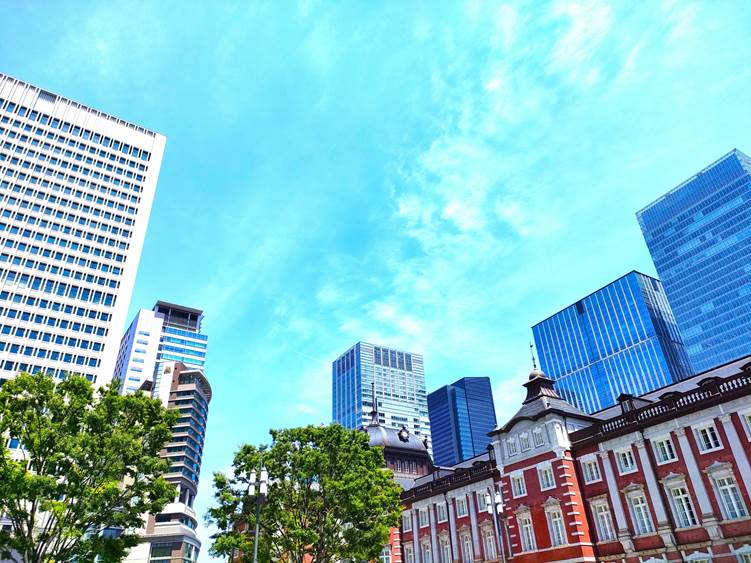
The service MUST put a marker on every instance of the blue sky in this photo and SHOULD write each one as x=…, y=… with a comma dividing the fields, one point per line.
x=435, y=176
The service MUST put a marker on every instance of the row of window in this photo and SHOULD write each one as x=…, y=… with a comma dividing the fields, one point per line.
x=55, y=306
x=61, y=289
x=45, y=354
x=445, y=556
x=556, y=527
x=45, y=195
x=524, y=442
x=179, y=332
x=74, y=130
x=545, y=477
x=43, y=266
x=41, y=156
x=60, y=373
x=31, y=334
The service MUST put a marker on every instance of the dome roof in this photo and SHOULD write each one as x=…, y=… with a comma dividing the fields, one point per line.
x=535, y=373
x=392, y=438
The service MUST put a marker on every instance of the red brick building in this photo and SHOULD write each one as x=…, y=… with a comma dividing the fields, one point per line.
x=661, y=477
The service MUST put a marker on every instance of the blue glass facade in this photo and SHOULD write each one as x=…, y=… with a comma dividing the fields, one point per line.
x=620, y=339
x=399, y=383
x=461, y=415
x=699, y=235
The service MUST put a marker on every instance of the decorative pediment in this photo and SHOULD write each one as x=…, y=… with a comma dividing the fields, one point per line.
x=719, y=467
x=464, y=528
x=632, y=488
x=521, y=508
x=551, y=502
x=672, y=477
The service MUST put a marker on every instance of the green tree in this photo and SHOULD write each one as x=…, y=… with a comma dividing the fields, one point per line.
x=90, y=462
x=330, y=498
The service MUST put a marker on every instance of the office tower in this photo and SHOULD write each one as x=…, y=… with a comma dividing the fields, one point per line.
x=620, y=339
x=167, y=332
x=699, y=236
x=170, y=535
x=399, y=385
x=461, y=415
x=76, y=187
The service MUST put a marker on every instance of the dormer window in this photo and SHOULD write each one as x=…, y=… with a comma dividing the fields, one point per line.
x=524, y=441
x=537, y=437
x=511, y=448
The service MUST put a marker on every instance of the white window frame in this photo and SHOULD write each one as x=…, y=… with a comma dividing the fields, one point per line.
x=488, y=538
x=481, y=504
x=406, y=521
x=546, y=469
x=682, y=504
x=700, y=442
x=738, y=510
x=745, y=417
x=461, y=506
x=526, y=531
x=518, y=479
x=446, y=550
x=669, y=448
x=427, y=555
x=524, y=443
x=556, y=526
x=442, y=513
x=639, y=499
x=468, y=552
x=603, y=520
x=409, y=555
x=511, y=448
x=620, y=456
x=591, y=462
x=537, y=433
x=423, y=523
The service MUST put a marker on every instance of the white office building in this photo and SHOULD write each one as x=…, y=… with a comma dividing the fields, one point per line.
x=399, y=381
x=76, y=189
x=165, y=333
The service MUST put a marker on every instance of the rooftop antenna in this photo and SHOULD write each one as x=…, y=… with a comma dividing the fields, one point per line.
x=374, y=410
x=532, y=353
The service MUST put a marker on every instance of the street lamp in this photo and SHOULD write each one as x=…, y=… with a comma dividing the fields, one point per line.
x=495, y=507
x=259, y=498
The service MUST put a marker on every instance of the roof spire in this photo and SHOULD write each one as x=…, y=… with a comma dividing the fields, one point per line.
x=374, y=410
x=532, y=352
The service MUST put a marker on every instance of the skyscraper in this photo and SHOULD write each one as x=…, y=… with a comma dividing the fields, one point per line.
x=76, y=187
x=461, y=415
x=167, y=332
x=699, y=235
x=163, y=353
x=399, y=384
x=620, y=339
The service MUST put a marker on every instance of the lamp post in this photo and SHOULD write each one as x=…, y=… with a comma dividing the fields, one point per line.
x=260, y=498
x=495, y=507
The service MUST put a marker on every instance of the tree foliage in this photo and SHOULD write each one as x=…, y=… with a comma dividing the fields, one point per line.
x=330, y=498
x=90, y=462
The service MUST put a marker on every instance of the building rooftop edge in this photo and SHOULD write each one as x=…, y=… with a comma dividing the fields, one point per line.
x=87, y=106
x=664, y=196
x=176, y=306
x=591, y=293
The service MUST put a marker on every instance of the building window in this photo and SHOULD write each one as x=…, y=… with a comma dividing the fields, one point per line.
x=424, y=518
x=461, y=506
x=537, y=437
x=446, y=551
x=385, y=556
x=707, y=438
x=591, y=471
x=524, y=441
x=640, y=514
x=427, y=556
x=442, y=513
x=467, y=555
x=161, y=553
x=481, y=501
x=489, y=540
x=603, y=521
x=406, y=522
x=556, y=527
x=547, y=480
x=511, y=447
x=730, y=498
x=518, y=486
x=626, y=461
x=664, y=451
x=744, y=557
x=526, y=531
x=409, y=556
x=746, y=417
x=682, y=507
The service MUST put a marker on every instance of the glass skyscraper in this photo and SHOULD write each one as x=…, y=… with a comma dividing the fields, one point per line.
x=699, y=235
x=461, y=415
x=399, y=384
x=76, y=187
x=620, y=339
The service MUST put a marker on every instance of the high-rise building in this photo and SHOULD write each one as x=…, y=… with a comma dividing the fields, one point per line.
x=163, y=352
x=461, y=415
x=76, y=188
x=699, y=235
x=620, y=339
x=170, y=536
x=165, y=333
x=399, y=385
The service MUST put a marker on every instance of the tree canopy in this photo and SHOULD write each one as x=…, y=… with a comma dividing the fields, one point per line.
x=330, y=498
x=89, y=465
